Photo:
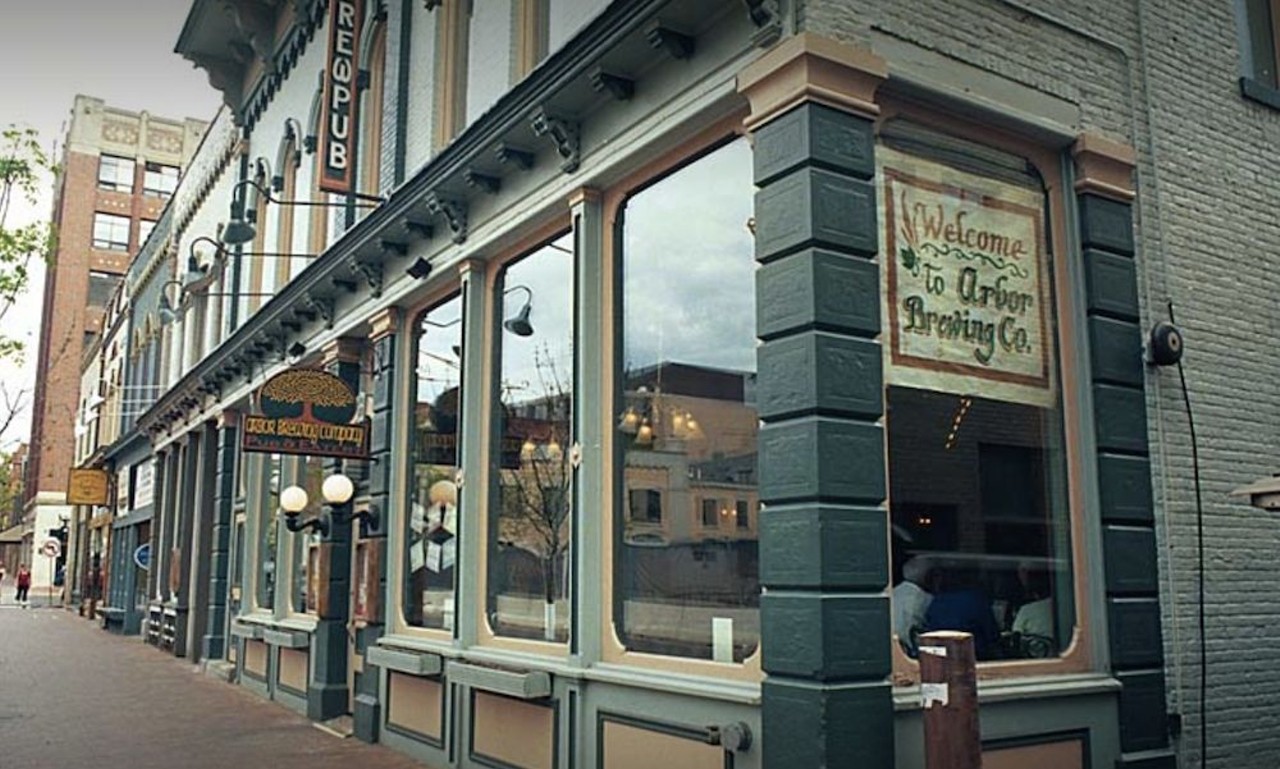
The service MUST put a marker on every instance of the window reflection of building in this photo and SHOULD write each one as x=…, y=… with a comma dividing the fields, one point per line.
x=530, y=516
x=433, y=521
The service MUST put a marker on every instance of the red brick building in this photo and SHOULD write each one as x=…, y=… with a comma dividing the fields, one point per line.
x=118, y=169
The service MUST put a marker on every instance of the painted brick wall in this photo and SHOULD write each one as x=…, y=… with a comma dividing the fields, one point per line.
x=1163, y=77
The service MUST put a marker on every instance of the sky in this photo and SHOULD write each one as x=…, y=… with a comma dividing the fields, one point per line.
x=117, y=50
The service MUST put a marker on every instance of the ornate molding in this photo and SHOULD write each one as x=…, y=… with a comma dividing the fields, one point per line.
x=767, y=16
x=1104, y=167
x=564, y=133
x=514, y=156
x=370, y=271
x=454, y=212
x=807, y=67
x=322, y=306
x=619, y=87
x=676, y=44
x=486, y=183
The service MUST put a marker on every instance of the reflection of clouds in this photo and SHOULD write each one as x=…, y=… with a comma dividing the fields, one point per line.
x=689, y=273
x=437, y=365
x=540, y=365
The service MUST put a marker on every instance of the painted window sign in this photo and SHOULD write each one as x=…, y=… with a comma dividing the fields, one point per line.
x=340, y=89
x=965, y=282
x=306, y=411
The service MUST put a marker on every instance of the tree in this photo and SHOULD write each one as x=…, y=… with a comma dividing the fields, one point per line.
x=23, y=167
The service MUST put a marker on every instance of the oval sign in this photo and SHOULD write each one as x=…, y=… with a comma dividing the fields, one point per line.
x=310, y=395
x=142, y=556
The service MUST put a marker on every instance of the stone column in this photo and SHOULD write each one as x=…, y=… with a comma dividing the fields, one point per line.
x=184, y=523
x=471, y=460
x=327, y=690
x=1105, y=193
x=214, y=643
x=589, y=426
x=384, y=338
x=824, y=546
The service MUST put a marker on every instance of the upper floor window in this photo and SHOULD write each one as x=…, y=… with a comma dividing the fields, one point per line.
x=1260, y=54
x=159, y=180
x=111, y=232
x=115, y=173
x=145, y=226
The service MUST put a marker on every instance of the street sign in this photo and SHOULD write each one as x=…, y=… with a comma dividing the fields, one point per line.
x=142, y=556
x=51, y=548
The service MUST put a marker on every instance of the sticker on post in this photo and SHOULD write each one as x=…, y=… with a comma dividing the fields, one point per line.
x=934, y=694
x=934, y=651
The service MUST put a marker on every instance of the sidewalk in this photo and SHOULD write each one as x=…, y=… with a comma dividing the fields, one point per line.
x=74, y=696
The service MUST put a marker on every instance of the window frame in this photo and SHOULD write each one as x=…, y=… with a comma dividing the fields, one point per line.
x=440, y=295
x=115, y=186
x=490, y=437
x=1051, y=163
x=157, y=192
x=613, y=651
x=116, y=221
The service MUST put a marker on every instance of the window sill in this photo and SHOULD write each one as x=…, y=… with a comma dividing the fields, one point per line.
x=1017, y=689
x=1256, y=90
x=696, y=686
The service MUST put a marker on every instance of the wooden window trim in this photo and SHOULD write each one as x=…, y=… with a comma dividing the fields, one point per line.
x=453, y=23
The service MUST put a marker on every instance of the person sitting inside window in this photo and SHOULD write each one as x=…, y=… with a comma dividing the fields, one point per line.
x=962, y=604
x=911, y=599
x=1034, y=621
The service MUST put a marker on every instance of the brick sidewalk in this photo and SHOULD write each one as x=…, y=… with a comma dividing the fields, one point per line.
x=73, y=696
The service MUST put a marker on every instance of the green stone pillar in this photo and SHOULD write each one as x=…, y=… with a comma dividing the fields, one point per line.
x=1104, y=201
x=824, y=539
x=214, y=643
x=384, y=338
x=327, y=691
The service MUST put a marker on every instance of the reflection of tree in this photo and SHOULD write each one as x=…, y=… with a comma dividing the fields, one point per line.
x=537, y=485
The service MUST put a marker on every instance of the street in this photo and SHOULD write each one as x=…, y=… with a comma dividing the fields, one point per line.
x=74, y=696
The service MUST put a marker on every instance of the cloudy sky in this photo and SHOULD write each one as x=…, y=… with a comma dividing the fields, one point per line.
x=117, y=50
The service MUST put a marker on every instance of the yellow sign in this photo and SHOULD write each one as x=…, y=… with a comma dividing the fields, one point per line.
x=88, y=487
x=965, y=281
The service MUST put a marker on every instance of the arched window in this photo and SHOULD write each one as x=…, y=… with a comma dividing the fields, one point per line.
x=370, y=154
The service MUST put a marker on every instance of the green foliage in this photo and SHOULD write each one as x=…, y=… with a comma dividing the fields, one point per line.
x=23, y=166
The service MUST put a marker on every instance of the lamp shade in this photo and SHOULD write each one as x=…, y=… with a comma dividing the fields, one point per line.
x=237, y=232
x=293, y=500
x=338, y=489
x=519, y=325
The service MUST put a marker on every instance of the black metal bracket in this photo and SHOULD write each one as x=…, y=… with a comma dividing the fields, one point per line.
x=514, y=156
x=677, y=44
x=486, y=183
x=767, y=16
x=564, y=133
x=454, y=212
x=617, y=86
x=370, y=271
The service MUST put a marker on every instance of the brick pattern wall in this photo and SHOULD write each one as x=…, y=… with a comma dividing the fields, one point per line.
x=1163, y=78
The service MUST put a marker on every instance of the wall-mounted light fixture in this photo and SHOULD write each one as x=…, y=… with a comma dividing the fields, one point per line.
x=337, y=491
x=296, y=350
x=420, y=268
x=240, y=228
x=520, y=325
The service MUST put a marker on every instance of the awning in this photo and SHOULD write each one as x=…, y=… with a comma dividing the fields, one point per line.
x=13, y=536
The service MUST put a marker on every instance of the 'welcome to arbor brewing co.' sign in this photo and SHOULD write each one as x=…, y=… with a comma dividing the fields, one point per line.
x=306, y=411
x=965, y=282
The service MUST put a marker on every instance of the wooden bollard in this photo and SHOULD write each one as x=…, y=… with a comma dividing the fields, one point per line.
x=949, y=696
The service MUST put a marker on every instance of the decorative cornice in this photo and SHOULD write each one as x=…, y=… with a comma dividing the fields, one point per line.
x=1104, y=167
x=384, y=323
x=563, y=132
x=811, y=68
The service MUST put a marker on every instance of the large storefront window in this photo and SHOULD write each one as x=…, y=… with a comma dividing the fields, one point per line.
x=433, y=520
x=685, y=563
x=269, y=530
x=977, y=452
x=531, y=514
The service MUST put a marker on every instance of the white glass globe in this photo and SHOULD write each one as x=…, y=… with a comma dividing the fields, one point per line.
x=338, y=489
x=293, y=500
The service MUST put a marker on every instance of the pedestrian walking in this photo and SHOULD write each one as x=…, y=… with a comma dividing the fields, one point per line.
x=24, y=584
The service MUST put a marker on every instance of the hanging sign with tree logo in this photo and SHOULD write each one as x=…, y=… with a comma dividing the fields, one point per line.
x=965, y=282
x=310, y=412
